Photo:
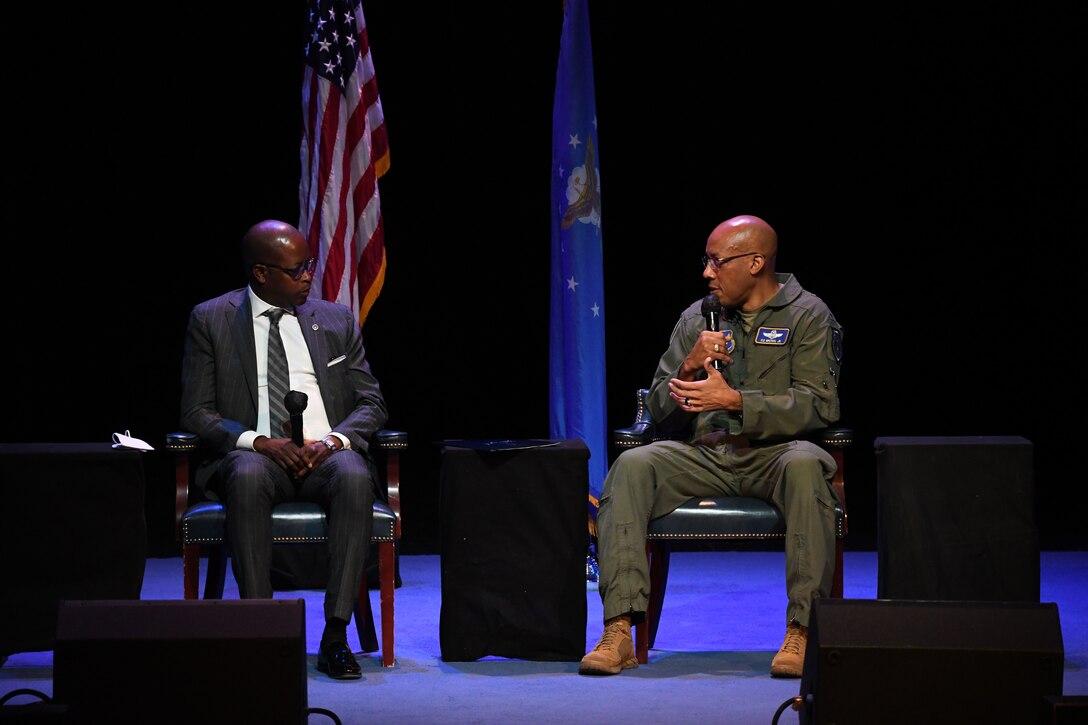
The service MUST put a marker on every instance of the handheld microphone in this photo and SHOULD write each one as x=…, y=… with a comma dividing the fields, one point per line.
x=295, y=402
x=712, y=310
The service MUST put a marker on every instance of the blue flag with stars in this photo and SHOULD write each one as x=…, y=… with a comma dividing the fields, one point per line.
x=577, y=365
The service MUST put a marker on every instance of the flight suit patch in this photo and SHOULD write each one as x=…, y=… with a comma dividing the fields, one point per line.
x=772, y=335
x=729, y=344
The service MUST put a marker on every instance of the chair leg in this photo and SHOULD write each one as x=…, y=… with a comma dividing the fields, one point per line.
x=190, y=568
x=659, y=577
x=642, y=643
x=217, y=572
x=387, y=582
x=364, y=620
x=836, y=581
x=642, y=630
x=657, y=554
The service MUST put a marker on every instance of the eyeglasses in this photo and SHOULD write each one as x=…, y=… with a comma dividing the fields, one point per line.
x=295, y=273
x=719, y=263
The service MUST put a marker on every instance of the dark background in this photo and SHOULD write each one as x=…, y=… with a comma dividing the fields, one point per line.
x=924, y=171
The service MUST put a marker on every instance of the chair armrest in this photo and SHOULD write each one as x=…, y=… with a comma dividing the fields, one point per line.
x=638, y=434
x=838, y=437
x=390, y=443
x=389, y=440
x=641, y=431
x=836, y=440
x=181, y=444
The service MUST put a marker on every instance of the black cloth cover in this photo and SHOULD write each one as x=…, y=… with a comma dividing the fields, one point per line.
x=955, y=519
x=514, y=538
x=71, y=527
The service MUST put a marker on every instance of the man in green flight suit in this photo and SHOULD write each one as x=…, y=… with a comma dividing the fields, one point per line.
x=747, y=423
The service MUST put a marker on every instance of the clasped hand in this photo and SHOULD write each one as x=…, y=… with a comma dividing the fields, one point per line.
x=297, y=461
x=711, y=393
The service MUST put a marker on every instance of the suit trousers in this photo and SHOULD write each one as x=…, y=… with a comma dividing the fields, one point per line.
x=251, y=484
x=652, y=480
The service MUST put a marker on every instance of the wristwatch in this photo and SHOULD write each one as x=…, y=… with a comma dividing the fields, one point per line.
x=330, y=444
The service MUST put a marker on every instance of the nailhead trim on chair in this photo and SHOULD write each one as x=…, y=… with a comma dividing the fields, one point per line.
x=841, y=439
x=190, y=540
x=180, y=441
x=382, y=533
x=276, y=540
x=838, y=535
x=715, y=536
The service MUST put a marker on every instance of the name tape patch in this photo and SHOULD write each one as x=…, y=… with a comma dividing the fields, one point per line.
x=772, y=335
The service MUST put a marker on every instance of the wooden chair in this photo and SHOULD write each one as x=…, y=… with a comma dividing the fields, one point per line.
x=730, y=518
x=201, y=528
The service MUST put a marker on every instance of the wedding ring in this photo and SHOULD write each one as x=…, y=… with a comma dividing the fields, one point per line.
x=687, y=401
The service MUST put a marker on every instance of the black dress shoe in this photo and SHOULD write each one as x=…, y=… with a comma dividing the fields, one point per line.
x=337, y=661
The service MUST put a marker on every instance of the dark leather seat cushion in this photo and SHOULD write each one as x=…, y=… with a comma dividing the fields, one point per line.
x=297, y=521
x=728, y=517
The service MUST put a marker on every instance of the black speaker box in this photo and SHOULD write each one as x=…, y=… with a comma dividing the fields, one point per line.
x=1067, y=710
x=955, y=519
x=195, y=661
x=933, y=662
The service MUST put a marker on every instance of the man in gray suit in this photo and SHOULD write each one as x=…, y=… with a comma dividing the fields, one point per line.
x=233, y=357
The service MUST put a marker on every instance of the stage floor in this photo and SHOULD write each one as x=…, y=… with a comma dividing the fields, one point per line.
x=722, y=623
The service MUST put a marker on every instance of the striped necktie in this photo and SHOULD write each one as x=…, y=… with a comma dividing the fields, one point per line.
x=279, y=378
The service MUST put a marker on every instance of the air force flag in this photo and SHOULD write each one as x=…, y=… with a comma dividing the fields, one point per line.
x=577, y=363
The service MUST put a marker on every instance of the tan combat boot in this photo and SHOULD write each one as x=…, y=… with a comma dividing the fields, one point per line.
x=791, y=658
x=615, y=651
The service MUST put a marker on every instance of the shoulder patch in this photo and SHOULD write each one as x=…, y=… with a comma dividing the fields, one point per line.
x=772, y=335
x=836, y=345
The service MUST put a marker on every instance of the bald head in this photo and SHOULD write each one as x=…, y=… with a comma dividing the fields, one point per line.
x=277, y=260
x=741, y=253
x=269, y=240
x=747, y=233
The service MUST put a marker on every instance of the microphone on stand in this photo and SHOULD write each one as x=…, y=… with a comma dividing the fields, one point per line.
x=295, y=403
x=712, y=310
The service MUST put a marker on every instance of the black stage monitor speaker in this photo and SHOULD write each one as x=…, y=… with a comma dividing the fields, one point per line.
x=955, y=519
x=182, y=661
x=911, y=662
x=1066, y=710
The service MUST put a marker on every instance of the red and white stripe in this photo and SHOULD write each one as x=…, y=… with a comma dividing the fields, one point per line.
x=344, y=152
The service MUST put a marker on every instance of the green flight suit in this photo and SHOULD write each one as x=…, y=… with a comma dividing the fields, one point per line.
x=786, y=368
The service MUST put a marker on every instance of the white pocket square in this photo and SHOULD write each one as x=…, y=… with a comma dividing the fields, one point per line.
x=334, y=361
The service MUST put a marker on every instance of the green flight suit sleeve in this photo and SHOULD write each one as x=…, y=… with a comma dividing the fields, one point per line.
x=666, y=414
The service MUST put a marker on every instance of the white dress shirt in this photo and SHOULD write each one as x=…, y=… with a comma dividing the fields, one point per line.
x=315, y=422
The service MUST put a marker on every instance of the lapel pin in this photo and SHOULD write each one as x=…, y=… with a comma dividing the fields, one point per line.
x=315, y=328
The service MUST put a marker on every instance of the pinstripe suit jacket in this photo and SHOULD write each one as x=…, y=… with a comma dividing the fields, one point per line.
x=219, y=373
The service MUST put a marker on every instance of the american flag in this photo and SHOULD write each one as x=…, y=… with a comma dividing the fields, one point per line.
x=345, y=151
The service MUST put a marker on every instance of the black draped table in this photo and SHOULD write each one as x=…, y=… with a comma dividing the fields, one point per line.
x=514, y=537
x=71, y=527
